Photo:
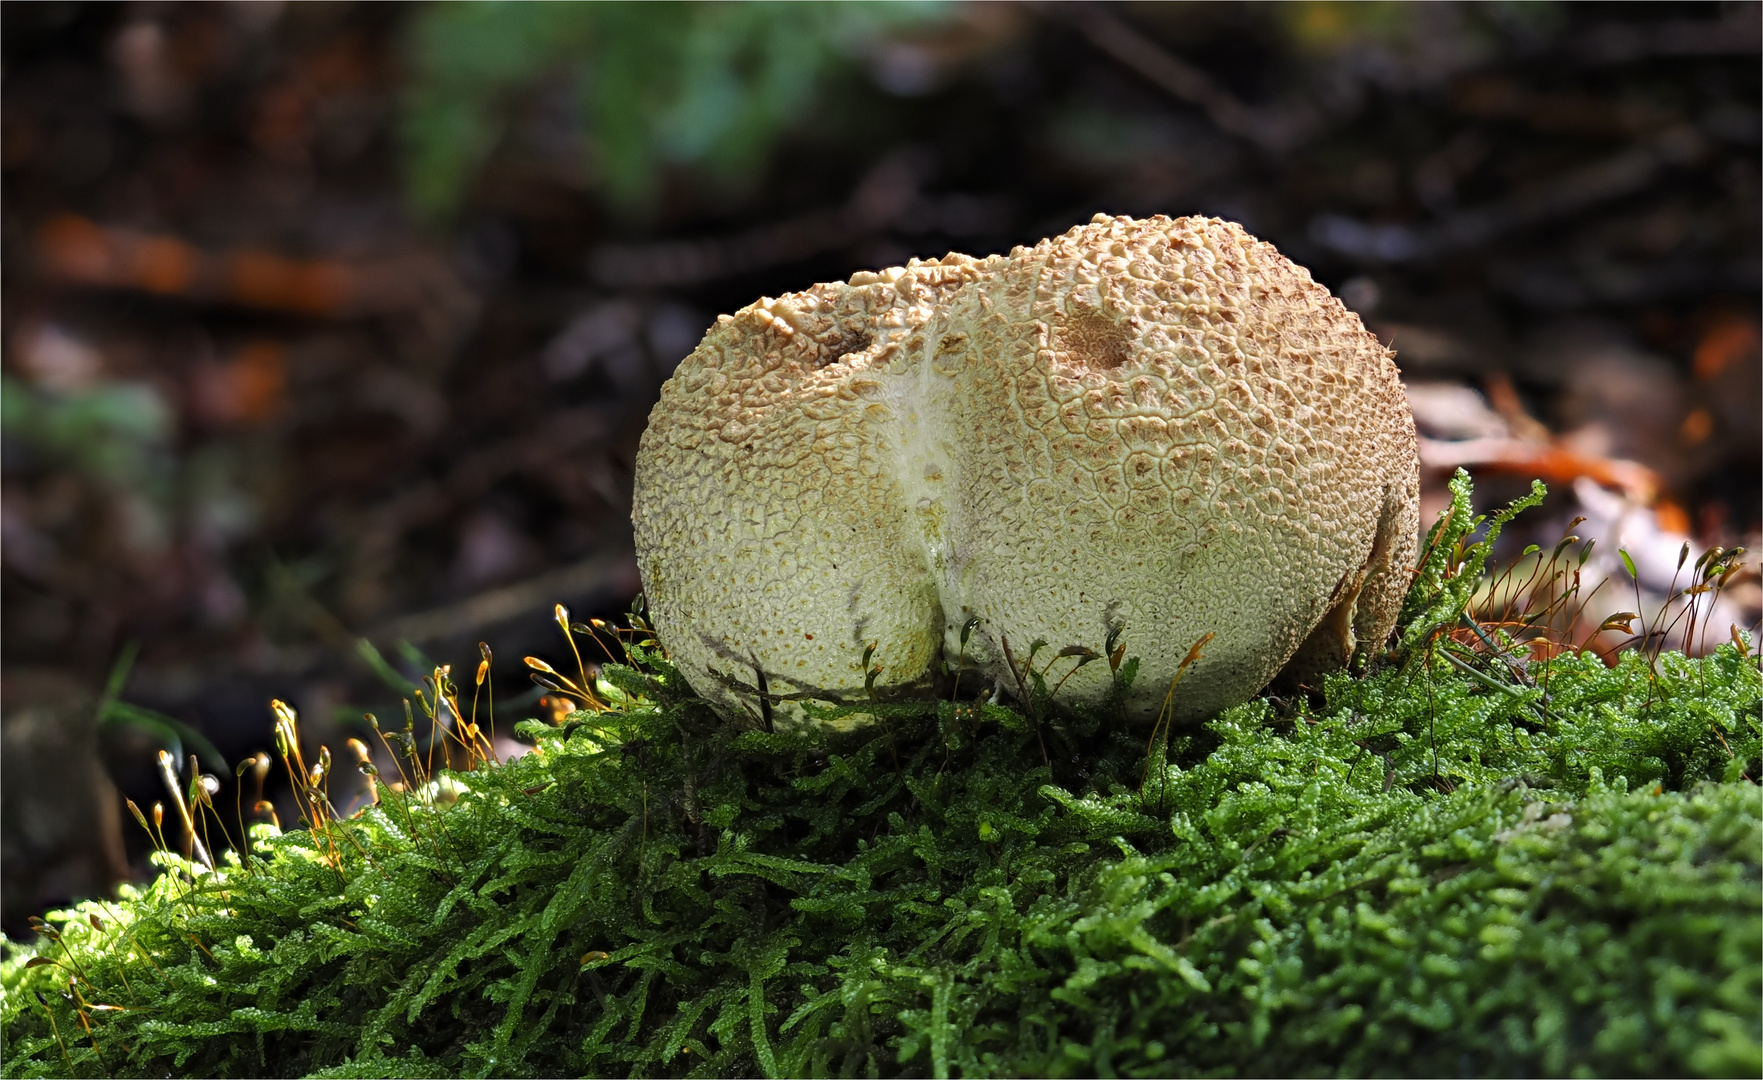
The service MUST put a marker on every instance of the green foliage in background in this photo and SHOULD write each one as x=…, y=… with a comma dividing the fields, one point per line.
x=1416, y=873
x=121, y=439
x=694, y=84
x=116, y=433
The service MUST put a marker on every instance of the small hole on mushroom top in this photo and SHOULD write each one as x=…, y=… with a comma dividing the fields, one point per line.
x=1090, y=337
x=850, y=342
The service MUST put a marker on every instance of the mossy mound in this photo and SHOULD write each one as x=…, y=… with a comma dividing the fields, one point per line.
x=657, y=894
x=1452, y=865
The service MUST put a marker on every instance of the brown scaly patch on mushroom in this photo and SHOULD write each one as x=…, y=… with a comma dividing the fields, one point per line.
x=1161, y=424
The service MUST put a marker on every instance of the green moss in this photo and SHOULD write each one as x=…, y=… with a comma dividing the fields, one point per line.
x=1417, y=872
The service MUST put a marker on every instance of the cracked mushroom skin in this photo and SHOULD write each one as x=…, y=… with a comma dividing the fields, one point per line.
x=1161, y=427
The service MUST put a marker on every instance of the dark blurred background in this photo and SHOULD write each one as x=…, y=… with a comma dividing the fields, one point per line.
x=329, y=321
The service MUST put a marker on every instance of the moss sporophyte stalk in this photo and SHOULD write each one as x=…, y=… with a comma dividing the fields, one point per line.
x=1471, y=857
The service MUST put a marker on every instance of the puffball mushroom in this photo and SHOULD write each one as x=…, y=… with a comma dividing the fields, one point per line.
x=1155, y=429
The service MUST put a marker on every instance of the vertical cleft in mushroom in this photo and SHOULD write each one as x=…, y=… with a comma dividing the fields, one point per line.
x=1161, y=427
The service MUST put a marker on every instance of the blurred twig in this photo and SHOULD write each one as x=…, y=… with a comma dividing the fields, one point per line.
x=612, y=569
x=1275, y=130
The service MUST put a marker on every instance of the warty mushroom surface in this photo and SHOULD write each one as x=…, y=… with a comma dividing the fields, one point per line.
x=1161, y=428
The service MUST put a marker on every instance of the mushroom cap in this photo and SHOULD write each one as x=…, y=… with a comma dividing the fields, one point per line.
x=1157, y=427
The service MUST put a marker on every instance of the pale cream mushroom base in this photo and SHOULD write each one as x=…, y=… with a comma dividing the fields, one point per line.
x=1158, y=426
